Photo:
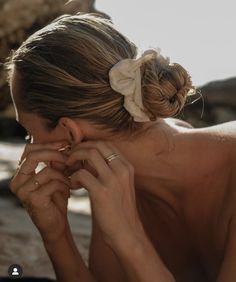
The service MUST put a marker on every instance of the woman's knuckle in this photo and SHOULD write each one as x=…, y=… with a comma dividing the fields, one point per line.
x=124, y=173
x=130, y=167
x=56, y=183
x=93, y=153
x=111, y=180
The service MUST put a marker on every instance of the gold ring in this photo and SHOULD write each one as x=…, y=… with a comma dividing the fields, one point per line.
x=112, y=157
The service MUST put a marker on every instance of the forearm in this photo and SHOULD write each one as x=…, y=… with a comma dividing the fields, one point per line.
x=140, y=260
x=67, y=261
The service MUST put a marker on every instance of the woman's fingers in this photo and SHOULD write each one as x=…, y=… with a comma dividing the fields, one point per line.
x=93, y=157
x=30, y=163
x=95, y=153
x=42, y=197
x=85, y=179
x=40, y=179
x=105, y=148
x=34, y=147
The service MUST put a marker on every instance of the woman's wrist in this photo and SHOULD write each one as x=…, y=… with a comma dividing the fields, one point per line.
x=51, y=245
x=55, y=242
x=128, y=240
x=126, y=237
x=66, y=259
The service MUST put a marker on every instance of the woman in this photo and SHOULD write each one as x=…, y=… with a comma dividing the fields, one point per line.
x=162, y=193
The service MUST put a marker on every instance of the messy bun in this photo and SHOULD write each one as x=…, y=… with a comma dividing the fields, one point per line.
x=165, y=87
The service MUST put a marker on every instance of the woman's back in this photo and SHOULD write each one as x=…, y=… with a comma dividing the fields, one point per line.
x=191, y=240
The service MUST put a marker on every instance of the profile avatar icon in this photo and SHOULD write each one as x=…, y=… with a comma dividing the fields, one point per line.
x=15, y=271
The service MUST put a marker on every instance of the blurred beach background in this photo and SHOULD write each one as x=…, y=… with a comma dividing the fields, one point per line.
x=200, y=35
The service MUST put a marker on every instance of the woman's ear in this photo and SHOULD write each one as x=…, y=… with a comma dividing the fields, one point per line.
x=73, y=132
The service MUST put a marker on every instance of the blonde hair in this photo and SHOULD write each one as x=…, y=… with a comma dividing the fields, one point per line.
x=63, y=70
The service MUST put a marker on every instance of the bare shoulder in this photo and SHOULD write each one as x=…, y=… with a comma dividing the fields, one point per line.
x=219, y=142
x=226, y=128
x=178, y=122
x=225, y=133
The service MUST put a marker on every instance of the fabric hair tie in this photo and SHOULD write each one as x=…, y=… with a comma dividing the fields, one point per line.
x=125, y=78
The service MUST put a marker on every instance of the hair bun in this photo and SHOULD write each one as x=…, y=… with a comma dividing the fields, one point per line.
x=165, y=87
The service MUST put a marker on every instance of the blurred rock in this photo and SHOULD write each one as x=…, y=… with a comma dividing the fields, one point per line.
x=21, y=18
x=223, y=114
x=220, y=93
x=216, y=103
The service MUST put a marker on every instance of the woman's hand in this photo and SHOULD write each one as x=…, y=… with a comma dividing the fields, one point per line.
x=110, y=186
x=45, y=194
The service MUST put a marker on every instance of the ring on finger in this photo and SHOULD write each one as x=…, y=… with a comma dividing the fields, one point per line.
x=111, y=157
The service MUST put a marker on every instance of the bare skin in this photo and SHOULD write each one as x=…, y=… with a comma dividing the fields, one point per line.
x=188, y=221
x=185, y=193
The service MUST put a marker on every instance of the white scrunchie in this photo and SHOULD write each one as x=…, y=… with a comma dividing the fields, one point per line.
x=125, y=78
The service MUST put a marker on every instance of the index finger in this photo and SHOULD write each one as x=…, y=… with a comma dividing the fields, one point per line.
x=35, y=147
x=27, y=169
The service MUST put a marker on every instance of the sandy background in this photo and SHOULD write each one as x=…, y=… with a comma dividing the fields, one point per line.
x=20, y=242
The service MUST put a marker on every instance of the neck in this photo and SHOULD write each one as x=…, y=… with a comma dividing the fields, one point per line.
x=160, y=158
x=157, y=158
